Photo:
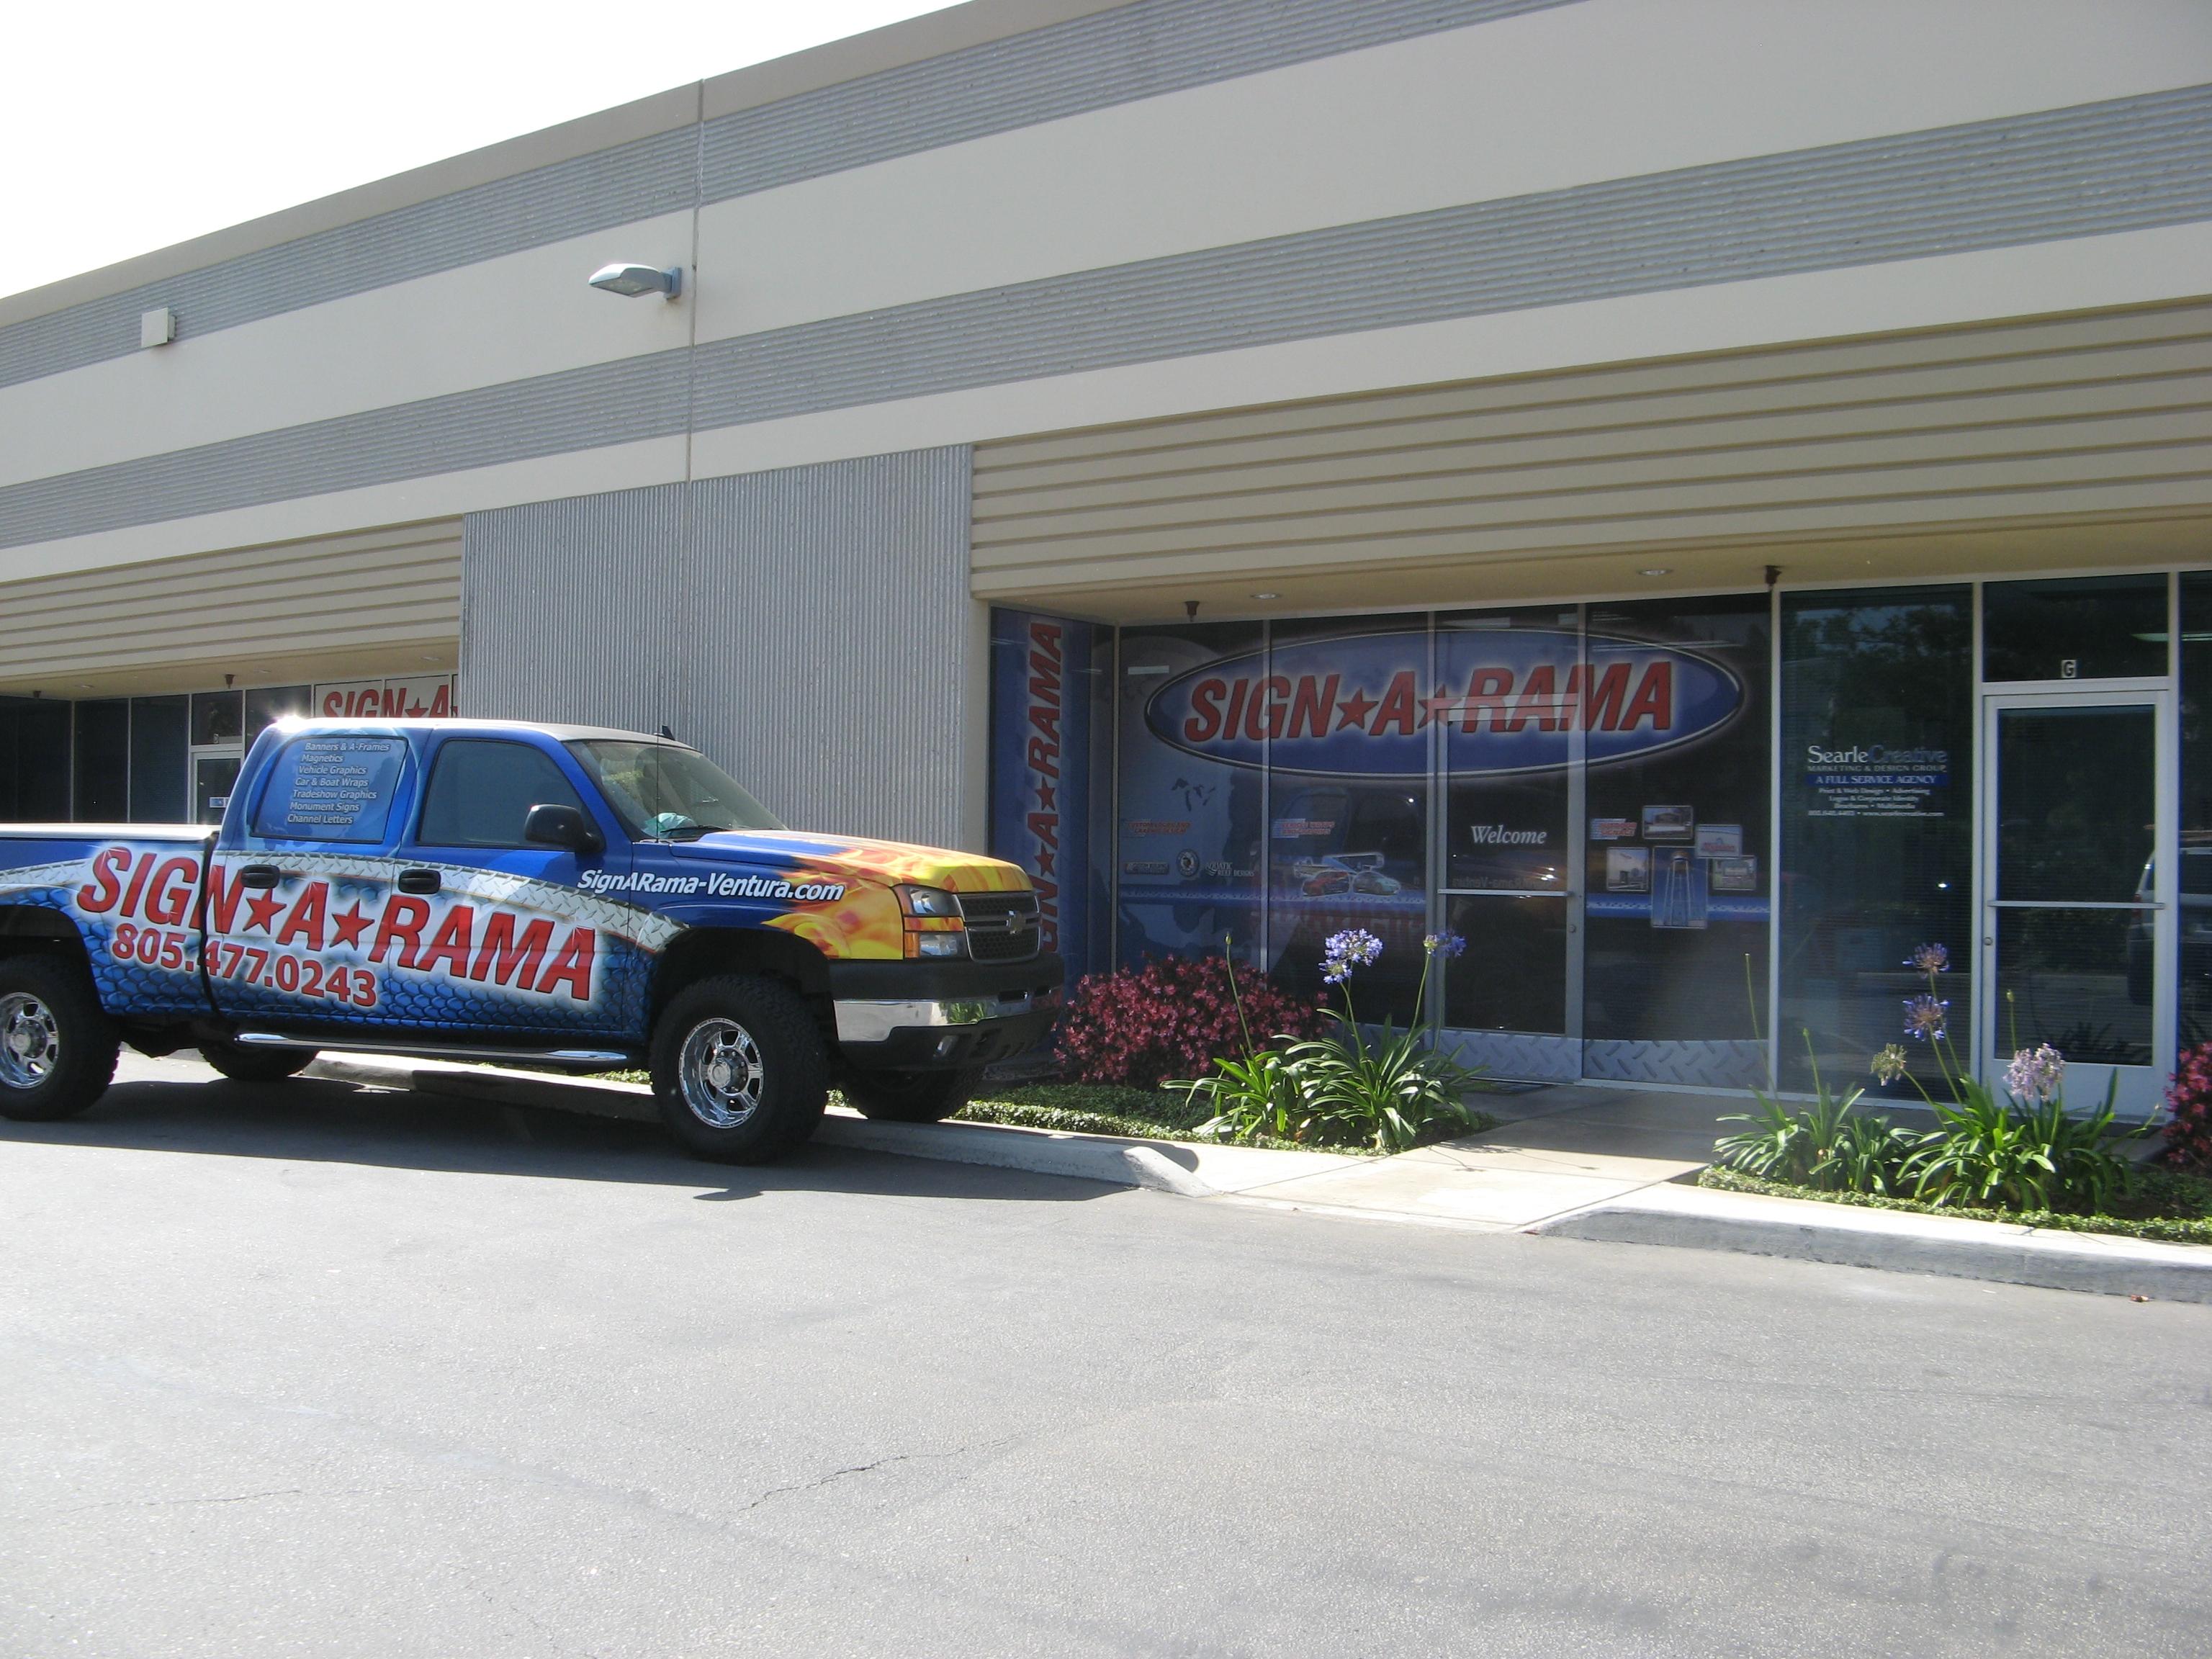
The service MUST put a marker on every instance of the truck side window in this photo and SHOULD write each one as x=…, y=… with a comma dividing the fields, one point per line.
x=482, y=790
x=333, y=787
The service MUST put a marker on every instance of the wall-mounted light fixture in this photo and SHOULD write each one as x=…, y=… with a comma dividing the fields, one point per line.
x=630, y=280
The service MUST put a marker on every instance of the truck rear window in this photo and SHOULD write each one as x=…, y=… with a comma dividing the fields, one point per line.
x=335, y=787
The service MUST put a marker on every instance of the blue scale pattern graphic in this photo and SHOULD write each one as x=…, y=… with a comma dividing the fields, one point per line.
x=30, y=874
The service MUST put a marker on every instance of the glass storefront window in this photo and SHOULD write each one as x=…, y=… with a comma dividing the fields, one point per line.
x=1877, y=822
x=1188, y=847
x=2194, y=885
x=217, y=717
x=269, y=703
x=2084, y=628
x=159, y=787
x=1675, y=700
x=35, y=760
x=1348, y=714
x=101, y=774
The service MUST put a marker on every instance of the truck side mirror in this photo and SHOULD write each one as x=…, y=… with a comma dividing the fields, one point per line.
x=562, y=826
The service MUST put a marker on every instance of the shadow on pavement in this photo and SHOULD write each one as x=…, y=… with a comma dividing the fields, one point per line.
x=306, y=1120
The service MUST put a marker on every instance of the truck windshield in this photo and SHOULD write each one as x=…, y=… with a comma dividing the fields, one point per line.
x=664, y=792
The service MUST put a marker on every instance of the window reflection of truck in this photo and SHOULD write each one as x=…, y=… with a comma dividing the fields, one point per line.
x=2194, y=940
x=1343, y=873
x=1333, y=842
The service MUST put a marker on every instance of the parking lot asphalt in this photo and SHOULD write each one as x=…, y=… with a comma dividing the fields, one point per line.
x=309, y=1369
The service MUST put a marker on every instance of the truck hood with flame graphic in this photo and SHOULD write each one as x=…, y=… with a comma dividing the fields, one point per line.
x=803, y=855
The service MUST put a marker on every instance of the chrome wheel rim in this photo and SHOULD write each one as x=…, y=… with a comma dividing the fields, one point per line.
x=30, y=1047
x=720, y=1074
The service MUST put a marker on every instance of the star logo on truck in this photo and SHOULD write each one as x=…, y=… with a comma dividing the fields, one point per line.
x=347, y=925
x=261, y=912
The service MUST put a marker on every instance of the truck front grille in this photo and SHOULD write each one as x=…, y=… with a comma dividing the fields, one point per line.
x=1001, y=927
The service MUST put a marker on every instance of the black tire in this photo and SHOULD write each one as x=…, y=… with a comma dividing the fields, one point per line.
x=56, y=1046
x=256, y=1065
x=911, y=1097
x=747, y=1020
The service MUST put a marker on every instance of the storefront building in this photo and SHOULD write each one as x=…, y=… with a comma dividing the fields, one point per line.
x=1694, y=841
x=1702, y=501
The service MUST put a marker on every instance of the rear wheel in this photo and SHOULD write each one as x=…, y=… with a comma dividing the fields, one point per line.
x=242, y=1065
x=911, y=1097
x=738, y=1069
x=57, y=1047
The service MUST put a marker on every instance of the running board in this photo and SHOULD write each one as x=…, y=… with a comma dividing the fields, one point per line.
x=582, y=1059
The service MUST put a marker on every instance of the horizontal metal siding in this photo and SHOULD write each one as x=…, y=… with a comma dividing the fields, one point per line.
x=2126, y=164
x=807, y=627
x=1133, y=52
x=1109, y=58
x=399, y=587
x=2103, y=416
x=2103, y=168
x=635, y=399
x=615, y=186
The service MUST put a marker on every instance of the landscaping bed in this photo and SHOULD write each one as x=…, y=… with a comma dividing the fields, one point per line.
x=2167, y=1206
x=1111, y=1109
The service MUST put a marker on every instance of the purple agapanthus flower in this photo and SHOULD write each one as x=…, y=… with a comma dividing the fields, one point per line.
x=1335, y=970
x=1930, y=959
x=1444, y=944
x=2034, y=1075
x=1924, y=1017
x=1355, y=947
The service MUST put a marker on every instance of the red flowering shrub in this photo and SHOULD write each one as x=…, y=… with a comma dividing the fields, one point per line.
x=1171, y=1018
x=2189, y=1097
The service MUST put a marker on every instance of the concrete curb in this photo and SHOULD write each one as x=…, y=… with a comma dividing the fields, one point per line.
x=1163, y=1166
x=1804, y=1230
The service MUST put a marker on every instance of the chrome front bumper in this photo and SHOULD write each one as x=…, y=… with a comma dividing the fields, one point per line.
x=869, y=1020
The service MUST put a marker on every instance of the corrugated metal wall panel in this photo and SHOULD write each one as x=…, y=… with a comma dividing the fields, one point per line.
x=2126, y=164
x=396, y=587
x=2109, y=414
x=809, y=629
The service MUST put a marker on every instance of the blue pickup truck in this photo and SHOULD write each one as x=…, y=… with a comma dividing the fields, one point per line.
x=564, y=897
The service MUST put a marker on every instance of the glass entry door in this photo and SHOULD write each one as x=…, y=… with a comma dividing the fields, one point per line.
x=214, y=772
x=1507, y=741
x=2077, y=945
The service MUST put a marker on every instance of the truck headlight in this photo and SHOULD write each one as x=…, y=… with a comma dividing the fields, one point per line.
x=928, y=901
x=940, y=945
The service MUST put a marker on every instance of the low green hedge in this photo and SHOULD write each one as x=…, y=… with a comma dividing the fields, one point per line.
x=1113, y=1108
x=2170, y=1207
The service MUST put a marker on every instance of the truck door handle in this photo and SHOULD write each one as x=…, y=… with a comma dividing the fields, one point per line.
x=259, y=876
x=418, y=881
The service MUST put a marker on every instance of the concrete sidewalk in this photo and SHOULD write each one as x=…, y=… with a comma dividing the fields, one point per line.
x=1601, y=1165
x=1571, y=1148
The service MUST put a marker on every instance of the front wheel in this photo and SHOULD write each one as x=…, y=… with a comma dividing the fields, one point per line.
x=57, y=1048
x=911, y=1097
x=738, y=1069
x=242, y=1065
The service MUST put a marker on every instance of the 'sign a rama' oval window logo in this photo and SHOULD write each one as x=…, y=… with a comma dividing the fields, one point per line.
x=1505, y=701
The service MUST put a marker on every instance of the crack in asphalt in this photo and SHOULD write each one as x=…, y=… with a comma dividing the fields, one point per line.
x=835, y=1475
